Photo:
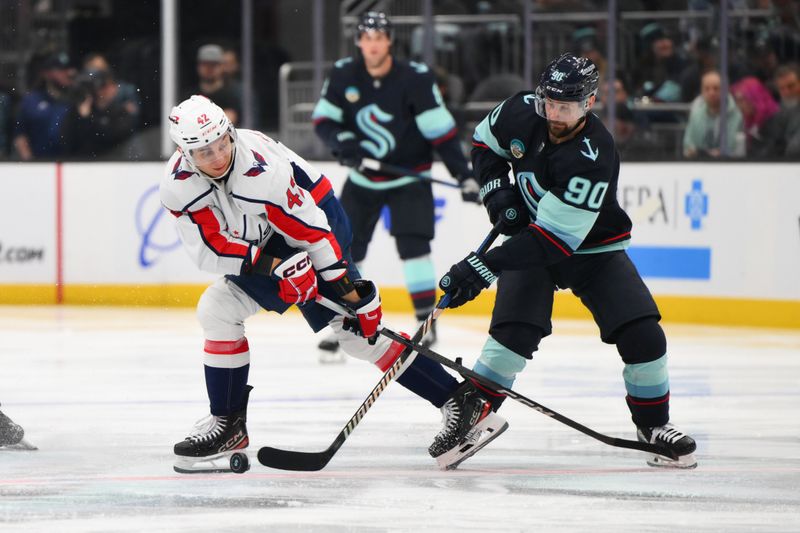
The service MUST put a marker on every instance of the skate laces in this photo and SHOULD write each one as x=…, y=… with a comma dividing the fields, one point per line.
x=451, y=412
x=208, y=428
x=668, y=433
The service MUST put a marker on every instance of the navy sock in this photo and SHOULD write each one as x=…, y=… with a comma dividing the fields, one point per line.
x=226, y=389
x=429, y=380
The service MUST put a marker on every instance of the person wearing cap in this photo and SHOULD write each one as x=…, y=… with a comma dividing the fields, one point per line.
x=660, y=67
x=212, y=84
x=39, y=130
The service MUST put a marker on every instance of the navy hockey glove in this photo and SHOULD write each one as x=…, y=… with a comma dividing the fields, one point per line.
x=367, y=309
x=470, y=190
x=505, y=205
x=348, y=152
x=466, y=279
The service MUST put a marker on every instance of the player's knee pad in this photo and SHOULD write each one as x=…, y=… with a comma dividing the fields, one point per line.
x=222, y=310
x=641, y=341
x=383, y=353
x=519, y=337
x=412, y=246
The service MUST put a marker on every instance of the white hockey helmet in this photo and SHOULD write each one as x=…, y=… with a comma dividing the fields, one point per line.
x=197, y=122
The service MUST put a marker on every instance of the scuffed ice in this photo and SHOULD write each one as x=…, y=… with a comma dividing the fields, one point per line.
x=105, y=393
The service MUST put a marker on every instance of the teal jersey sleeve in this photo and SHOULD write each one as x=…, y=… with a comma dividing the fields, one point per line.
x=431, y=116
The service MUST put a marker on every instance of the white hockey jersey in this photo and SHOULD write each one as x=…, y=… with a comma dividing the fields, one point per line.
x=225, y=223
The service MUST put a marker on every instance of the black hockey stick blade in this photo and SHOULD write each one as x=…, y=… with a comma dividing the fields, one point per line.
x=486, y=382
x=298, y=461
x=313, y=461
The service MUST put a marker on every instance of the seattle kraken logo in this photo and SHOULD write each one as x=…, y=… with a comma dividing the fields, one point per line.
x=381, y=141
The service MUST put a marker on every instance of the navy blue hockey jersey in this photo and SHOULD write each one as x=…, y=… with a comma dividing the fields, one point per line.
x=570, y=189
x=398, y=119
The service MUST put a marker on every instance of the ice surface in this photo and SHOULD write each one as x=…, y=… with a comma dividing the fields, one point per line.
x=104, y=393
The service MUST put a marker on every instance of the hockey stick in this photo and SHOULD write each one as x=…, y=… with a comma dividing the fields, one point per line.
x=536, y=406
x=311, y=461
x=467, y=373
x=380, y=166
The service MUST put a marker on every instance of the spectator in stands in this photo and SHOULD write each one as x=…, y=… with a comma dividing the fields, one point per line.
x=585, y=43
x=757, y=106
x=126, y=93
x=658, y=73
x=702, y=135
x=211, y=75
x=103, y=117
x=782, y=131
x=39, y=130
x=632, y=141
x=703, y=58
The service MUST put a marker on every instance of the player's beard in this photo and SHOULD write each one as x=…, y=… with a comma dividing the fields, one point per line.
x=564, y=131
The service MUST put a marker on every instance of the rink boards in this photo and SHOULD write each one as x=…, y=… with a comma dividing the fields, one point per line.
x=717, y=242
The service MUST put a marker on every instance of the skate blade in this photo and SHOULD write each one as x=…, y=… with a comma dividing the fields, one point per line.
x=213, y=464
x=489, y=431
x=21, y=446
x=685, y=462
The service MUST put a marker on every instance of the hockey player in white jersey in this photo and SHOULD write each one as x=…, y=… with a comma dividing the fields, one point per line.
x=251, y=209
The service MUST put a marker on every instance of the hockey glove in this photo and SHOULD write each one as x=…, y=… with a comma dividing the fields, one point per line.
x=466, y=279
x=505, y=205
x=297, y=281
x=470, y=190
x=348, y=152
x=367, y=309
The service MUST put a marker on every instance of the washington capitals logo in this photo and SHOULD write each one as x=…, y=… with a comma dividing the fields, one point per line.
x=258, y=165
x=179, y=173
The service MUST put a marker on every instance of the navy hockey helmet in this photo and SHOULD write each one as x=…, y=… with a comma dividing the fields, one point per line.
x=568, y=79
x=374, y=21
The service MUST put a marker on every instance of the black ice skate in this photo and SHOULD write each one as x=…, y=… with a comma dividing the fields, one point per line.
x=216, y=444
x=11, y=435
x=329, y=350
x=673, y=439
x=469, y=425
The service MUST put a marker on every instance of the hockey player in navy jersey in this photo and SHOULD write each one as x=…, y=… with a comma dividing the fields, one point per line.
x=251, y=209
x=567, y=232
x=377, y=106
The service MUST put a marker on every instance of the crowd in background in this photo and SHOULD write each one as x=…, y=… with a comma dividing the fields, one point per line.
x=83, y=108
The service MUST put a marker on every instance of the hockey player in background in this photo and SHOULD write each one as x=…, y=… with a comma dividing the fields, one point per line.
x=251, y=209
x=568, y=231
x=377, y=106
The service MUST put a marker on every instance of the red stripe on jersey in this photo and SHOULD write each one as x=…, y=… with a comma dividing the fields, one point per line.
x=618, y=237
x=446, y=137
x=322, y=188
x=480, y=145
x=210, y=228
x=298, y=230
x=226, y=347
x=552, y=240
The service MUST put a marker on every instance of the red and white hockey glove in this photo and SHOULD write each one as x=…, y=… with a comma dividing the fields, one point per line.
x=297, y=281
x=367, y=309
